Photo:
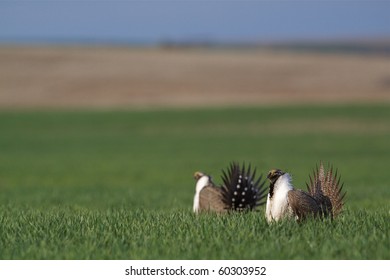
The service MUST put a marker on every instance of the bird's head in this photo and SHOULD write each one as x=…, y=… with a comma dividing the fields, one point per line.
x=198, y=175
x=274, y=175
x=202, y=180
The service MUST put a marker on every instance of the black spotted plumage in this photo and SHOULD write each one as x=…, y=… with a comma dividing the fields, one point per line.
x=241, y=190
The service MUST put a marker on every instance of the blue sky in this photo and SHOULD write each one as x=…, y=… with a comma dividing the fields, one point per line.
x=190, y=20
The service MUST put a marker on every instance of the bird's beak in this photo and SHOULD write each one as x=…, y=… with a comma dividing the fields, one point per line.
x=272, y=173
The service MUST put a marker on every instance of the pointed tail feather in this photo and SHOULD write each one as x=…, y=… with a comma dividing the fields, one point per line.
x=241, y=189
x=325, y=187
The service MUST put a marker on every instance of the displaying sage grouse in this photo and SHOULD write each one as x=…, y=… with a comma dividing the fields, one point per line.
x=240, y=191
x=323, y=198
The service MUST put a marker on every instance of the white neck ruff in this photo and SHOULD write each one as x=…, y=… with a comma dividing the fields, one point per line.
x=202, y=182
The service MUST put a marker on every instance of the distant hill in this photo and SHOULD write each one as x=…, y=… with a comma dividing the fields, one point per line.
x=356, y=47
x=370, y=47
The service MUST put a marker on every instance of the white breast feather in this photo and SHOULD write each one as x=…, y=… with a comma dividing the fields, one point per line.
x=202, y=182
x=277, y=206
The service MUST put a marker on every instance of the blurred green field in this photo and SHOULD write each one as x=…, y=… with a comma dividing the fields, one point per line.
x=118, y=184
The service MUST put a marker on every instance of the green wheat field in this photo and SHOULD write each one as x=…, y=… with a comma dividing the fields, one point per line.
x=118, y=184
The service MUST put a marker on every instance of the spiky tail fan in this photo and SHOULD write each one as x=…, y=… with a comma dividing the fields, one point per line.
x=325, y=187
x=241, y=190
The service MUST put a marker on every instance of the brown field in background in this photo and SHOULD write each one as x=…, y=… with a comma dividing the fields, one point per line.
x=102, y=77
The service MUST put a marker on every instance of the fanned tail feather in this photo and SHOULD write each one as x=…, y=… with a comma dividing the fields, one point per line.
x=325, y=188
x=241, y=190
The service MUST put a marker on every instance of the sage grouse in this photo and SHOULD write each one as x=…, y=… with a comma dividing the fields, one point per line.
x=323, y=198
x=240, y=191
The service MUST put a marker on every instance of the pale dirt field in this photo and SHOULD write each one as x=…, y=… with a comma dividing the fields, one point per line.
x=103, y=77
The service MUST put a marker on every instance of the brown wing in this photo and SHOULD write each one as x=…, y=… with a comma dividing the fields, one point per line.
x=210, y=199
x=302, y=204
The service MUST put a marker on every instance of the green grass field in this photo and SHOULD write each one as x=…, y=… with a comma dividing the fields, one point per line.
x=118, y=185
